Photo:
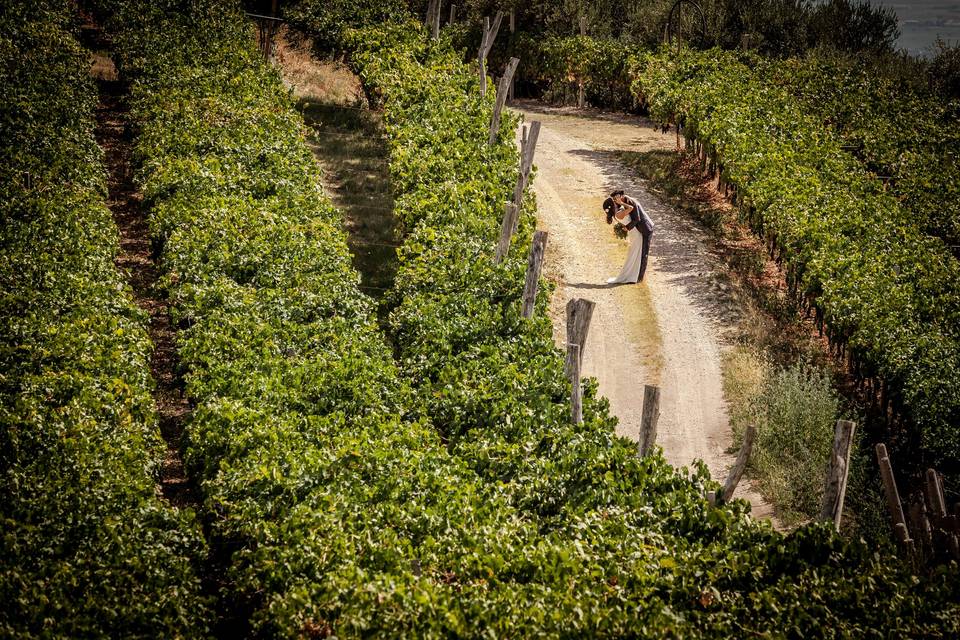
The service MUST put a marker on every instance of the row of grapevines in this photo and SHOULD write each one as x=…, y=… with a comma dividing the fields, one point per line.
x=900, y=133
x=886, y=290
x=650, y=558
x=88, y=549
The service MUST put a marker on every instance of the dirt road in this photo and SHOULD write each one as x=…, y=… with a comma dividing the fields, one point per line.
x=668, y=331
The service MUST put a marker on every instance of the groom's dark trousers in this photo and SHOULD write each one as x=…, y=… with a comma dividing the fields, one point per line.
x=644, y=252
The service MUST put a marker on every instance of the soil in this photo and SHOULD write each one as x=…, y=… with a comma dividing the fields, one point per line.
x=136, y=260
x=672, y=329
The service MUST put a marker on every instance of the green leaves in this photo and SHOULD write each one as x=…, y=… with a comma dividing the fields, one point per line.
x=560, y=64
x=885, y=289
x=444, y=494
x=88, y=549
x=629, y=546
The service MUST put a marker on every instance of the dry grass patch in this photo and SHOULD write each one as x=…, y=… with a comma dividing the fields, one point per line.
x=102, y=67
x=328, y=81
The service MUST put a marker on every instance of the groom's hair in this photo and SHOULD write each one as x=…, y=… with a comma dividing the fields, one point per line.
x=616, y=193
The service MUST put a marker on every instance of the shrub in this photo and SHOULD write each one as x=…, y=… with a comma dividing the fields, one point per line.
x=794, y=409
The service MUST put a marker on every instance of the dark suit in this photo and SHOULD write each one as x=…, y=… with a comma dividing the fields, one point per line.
x=643, y=223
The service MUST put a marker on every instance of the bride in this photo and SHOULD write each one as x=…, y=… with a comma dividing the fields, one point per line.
x=639, y=226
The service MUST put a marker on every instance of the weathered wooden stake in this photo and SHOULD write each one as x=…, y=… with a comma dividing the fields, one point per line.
x=893, y=496
x=736, y=471
x=836, y=486
x=576, y=393
x=502, y=89
x=507, y=228
x=935, y=496
x=433, y=9
x=528, y=148
x=513, y=80
x=453, y=14
x=482, y=56
x=921, y=523
x=534, y=263
x=581, y=94
x=649, y=418
x=436, y=20
x=579, y=313
x=489, y=35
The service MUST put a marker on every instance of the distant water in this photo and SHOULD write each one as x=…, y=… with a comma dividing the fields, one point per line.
x=922, y=21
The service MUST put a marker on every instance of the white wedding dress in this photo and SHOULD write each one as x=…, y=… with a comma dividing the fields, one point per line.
x=631, y=268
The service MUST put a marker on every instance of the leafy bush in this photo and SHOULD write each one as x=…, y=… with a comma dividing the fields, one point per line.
x=794, y=409
x=327, y=21
x=88, y=548
x=558, y=64
x=907, y=135
x=795, y=415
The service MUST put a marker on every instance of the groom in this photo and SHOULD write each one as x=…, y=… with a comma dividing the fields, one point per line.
x=620, y=203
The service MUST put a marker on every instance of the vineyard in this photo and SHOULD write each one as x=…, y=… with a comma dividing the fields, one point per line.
x=419, y=476
x=887, y=294
x=907, y=138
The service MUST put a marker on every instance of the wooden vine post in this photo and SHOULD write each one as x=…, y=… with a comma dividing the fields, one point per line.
x=528, y=146
x=432, y=21
x=507, y=229
x=649, y=418
x=579, y=313
x=935, y=495
x=738, y=468
x=534, y=264
x=946, y=527
x=436, y=20
x=893, y=498
x=489, y=35
x=836, y=485
x=581, y=93
x=453, y=14
x=502, y=90
x=513, y=29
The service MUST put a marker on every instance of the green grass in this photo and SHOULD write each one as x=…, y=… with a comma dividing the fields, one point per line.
x=352, y=149
x=794, y=409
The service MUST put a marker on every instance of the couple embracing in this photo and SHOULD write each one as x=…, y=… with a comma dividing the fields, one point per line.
x=628, y=212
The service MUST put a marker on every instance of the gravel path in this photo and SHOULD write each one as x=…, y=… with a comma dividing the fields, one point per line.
x=672, y=329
